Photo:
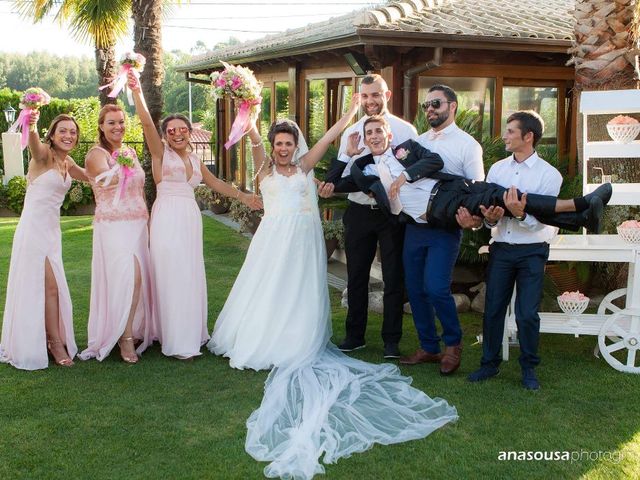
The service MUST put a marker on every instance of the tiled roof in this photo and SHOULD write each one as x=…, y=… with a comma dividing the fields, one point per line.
x=545, y=21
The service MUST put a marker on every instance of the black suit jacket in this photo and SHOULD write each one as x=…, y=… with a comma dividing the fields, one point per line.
x=419, y=163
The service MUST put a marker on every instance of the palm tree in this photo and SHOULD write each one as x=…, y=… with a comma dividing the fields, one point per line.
x=606, y=46
x=147, y=35
x=102, y=22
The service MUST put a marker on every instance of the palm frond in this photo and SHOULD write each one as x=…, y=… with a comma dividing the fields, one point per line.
x=101, y=22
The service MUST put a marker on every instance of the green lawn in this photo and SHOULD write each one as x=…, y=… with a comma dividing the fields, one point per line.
x=166, y=419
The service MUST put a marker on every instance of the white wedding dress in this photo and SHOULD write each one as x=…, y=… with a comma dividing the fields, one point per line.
x=317, y=401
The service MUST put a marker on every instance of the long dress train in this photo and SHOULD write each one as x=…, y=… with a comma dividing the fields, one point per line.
x=120, y=238
x=177, y=261
x=37, y=238
x=317, y=401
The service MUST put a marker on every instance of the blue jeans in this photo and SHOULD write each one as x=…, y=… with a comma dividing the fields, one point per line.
x=429, y=256
x=521, y=266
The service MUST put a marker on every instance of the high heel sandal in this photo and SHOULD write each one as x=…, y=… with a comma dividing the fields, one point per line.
x=128, y=358
x=65, y=362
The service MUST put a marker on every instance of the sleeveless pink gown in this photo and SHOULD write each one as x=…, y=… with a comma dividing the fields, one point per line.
x=37, y=237
x=177, y=260
x=120, y=236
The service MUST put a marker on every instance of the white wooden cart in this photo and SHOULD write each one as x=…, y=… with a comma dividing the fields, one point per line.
x=617, y=327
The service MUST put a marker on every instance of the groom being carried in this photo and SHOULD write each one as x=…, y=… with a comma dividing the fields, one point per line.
x=407, y=181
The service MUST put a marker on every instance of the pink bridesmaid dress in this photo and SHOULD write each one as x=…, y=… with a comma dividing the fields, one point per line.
x=120, y=237
x=37, y=238
x=177, y=261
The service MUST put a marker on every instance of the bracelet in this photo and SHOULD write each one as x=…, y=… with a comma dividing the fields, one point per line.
x=489, y=224
x=256, y=145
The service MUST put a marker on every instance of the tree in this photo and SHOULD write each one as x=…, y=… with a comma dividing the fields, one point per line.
x=606, y=47
x=103, y=22
x=147, y=36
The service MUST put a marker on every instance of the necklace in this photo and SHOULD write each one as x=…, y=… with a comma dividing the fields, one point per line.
x=59, y=165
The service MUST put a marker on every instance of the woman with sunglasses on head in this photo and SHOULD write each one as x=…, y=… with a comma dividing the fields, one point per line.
x=38, y=315
x=121, y=309
x=176, y=231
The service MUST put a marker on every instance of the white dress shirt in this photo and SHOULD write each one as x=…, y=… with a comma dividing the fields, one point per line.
x=413, y=196
x=460, y=152
x=534, y=175
x=402, y=131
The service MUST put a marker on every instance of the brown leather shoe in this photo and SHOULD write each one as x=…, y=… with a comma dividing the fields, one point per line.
x=421, y=356
x=451, y=359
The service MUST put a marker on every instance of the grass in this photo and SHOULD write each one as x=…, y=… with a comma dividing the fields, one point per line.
x=167, y=419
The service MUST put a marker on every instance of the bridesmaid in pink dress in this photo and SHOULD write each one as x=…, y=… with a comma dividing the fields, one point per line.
x=121, y=303
x=38, y=315
x=177, y=260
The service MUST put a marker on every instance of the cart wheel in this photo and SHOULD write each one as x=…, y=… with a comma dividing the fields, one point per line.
x=607, y=306
x=619, y=342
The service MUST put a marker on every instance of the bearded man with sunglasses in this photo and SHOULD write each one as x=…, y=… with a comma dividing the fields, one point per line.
x=366, y=226
x=430, y=253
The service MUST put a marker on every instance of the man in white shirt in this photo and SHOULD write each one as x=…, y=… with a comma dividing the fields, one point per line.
x=366, y=226
x=430, y=252
x=519, y=249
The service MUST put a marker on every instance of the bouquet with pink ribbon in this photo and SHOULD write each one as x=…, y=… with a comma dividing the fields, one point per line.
x=122, y=162
x=32, y=99
x=241, y=85
x=130, y=61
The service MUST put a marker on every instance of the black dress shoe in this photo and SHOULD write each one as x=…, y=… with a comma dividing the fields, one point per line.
x=604, y=191
x=349, y=345
x=391, y=350
x=483, y=373
x=593, y=215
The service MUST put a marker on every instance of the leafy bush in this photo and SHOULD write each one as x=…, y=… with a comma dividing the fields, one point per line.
x=334, y=229
x=80, y=193
x=245, y=217
x=3, y=194
x=16, y=190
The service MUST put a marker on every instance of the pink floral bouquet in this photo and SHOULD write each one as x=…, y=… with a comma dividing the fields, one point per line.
x=122, y=162
x=241, y=85
x=32, y=99
x=130, y=61
x=629, y=230
x=573, y=303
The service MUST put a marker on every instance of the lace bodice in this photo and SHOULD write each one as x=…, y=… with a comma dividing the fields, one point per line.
x=288, y=195
x=173, y=169
x=131, y=205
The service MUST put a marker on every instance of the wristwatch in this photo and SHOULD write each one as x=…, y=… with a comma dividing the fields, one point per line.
x=521, y=217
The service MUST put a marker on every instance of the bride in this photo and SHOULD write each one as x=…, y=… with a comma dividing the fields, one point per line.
x=317, y=401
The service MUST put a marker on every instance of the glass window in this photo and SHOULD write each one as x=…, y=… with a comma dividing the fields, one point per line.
x=282, y=99
x=316, y=96
x=543, y=100
x=475, y=102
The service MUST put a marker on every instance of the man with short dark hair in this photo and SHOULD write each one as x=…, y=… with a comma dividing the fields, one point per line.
x=430, y=252
x=366, y=226
x=519, y=249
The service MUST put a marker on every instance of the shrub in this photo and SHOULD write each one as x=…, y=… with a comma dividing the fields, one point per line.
x=246, y=218
x=16, y=191
x=3, y=194
x=334, y=229
x=80, y=193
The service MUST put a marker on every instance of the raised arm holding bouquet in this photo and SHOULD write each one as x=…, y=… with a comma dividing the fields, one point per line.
x=32, y=99
x=241, y=85
x=130, y=62
x=176, y=231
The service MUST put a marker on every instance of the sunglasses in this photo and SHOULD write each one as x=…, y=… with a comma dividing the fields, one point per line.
x=173, y=130
x=436, y=104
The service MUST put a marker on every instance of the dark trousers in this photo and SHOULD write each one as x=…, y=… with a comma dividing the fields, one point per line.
x=460, y=192
x=429, y=257
x=522, y=265
x=364, y=228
